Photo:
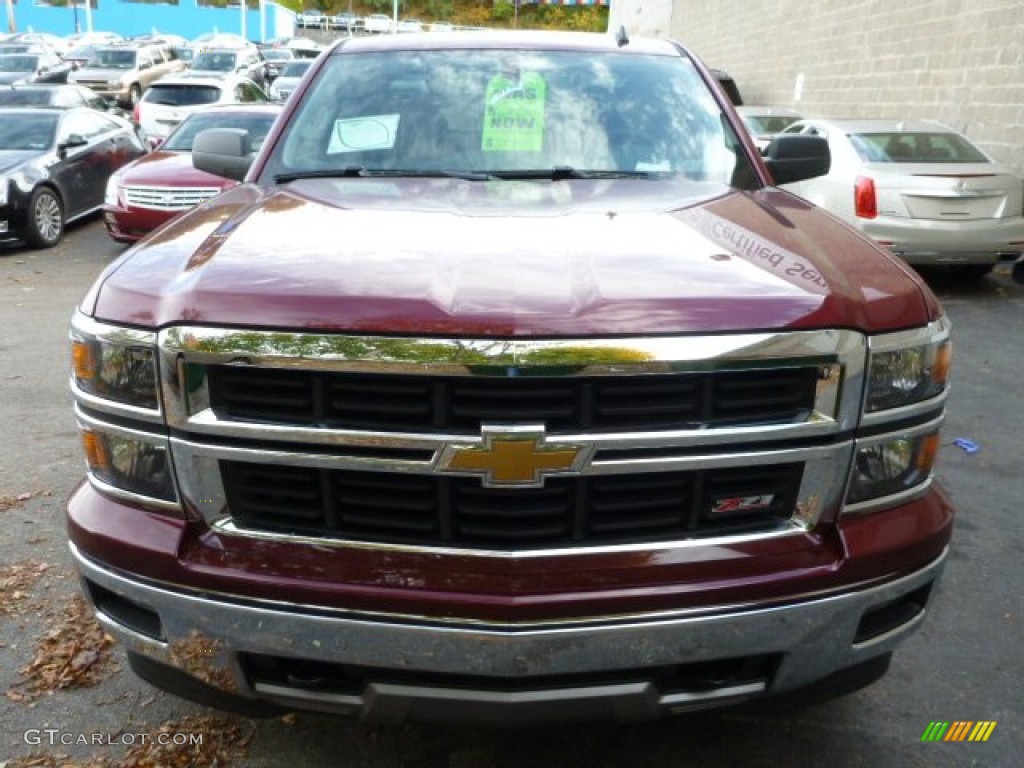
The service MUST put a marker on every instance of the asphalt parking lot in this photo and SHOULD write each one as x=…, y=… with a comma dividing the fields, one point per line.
x=964, y=665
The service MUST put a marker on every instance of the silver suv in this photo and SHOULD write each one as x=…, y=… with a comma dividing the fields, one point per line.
x=220, y=62
x=122, y=73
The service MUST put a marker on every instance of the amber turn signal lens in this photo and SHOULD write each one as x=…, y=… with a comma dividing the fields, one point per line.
x=943, y=363
x=95, y=451
x=927, y=453
x=83, y=360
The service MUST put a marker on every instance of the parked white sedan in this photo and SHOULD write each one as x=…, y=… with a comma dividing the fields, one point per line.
x=920, y=189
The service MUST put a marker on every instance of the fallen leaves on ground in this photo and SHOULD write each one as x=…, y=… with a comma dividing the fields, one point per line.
x=221, y=742
x=10, y=502
x=15, y=581
x=73, y=654
x=57, y=761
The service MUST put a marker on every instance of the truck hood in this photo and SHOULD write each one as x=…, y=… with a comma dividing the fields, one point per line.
x=455, y=257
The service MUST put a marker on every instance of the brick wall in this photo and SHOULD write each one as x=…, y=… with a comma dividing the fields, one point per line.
x=960, y=62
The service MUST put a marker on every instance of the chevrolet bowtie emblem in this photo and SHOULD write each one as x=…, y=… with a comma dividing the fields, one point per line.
x=513, y=457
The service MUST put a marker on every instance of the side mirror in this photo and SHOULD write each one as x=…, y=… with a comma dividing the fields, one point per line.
x=223, y=152
x=796, y=157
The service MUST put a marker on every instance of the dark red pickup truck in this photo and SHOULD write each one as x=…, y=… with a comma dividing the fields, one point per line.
x=508, y=388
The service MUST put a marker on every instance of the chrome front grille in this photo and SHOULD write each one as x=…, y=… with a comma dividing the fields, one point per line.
x=390, y=441
x=168, y=198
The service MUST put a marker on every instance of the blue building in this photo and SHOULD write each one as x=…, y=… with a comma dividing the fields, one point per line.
x=188, y=18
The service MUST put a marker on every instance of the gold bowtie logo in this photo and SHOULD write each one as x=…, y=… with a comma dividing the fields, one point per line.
x=513, y=457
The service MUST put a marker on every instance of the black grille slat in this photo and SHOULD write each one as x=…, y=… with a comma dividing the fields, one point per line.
x=460, y=404
x=654, y=502
x=387, y=504
x=266, y=394
x=434, y=510
x=789, y=392
x=524, y=534
x=473, y=402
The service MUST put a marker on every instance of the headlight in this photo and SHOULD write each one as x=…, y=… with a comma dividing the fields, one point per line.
x=907, y=384
x=115, y=84
x=5, y=185
x=113, y=190
x=892, y=464
x=129, y=463
x=117, y=364
x=908, y=367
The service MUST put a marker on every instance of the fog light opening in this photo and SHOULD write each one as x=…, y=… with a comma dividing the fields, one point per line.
x=125, y=612
x=892, y=615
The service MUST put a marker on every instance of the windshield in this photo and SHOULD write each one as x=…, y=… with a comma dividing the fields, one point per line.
x=277, y=55
x=495, y=111
x=181, y=95
x=30, y=130
x=768, y=123
x=900, y=147
x=214, y=60
x=295, y=69
x=258, y=126
x=113, y=60
x=18, y=63
x=23, y=97
x=80, y=52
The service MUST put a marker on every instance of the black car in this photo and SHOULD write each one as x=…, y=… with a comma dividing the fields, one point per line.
x=33, y=68
x=55, y=95
x=54, y=167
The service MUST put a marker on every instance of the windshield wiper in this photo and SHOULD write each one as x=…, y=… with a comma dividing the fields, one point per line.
x=562, y=172
x=361, y=172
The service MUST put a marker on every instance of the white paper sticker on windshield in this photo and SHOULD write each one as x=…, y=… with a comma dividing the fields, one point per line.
x=363, y=134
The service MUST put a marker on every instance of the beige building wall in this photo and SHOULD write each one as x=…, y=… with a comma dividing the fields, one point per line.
x=960, y=62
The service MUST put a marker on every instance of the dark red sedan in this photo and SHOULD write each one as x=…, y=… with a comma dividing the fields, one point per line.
x=157, y=187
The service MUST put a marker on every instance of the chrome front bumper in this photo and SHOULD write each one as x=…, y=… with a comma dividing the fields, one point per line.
x=206, y=638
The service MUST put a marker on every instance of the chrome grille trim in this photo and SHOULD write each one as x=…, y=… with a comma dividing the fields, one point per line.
x=840, y=356
x=201, y=438
x=824, y=483
x=168, y=198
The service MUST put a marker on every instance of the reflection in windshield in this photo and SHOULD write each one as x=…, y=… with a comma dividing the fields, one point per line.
x=181, y=94
x=499, y=111
x=768, y=123
x=113, y=60
x=216, y=62
x=18, y=63
x=296, y=69
x=27, y=130
x=258, y=127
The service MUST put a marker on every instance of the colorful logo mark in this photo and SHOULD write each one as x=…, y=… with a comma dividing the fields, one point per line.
x=959, y=730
